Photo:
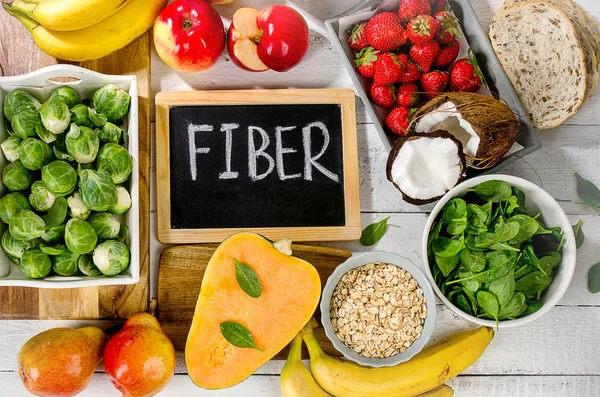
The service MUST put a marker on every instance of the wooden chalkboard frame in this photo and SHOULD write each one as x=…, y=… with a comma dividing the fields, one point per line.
x=344, y=97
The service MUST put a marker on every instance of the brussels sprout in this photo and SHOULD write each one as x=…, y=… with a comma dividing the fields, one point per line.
x=82, y=144
x=77, y=208
x=123, y=203
x=123, y=234
x=35, y=263
x=11, y=204
x=80, y=116
x=10, y=148
x=59, y=177
x=55, y=116
x=106, y=226
x=40, y=198
x=115, y=161
x=16, y=177
x=54, y=234
x=25, y=122
x=17, y=101
x=111, y=257
x=98, y=119
x=14, y=248
x=44, y=134
x=87, y=267
x=68, y=96
x=112, y=102
x=110, y=133
x=26, y=225
x=57, y=213
x=60, y=148
x=53, y=250
x=34, y=153
x=65, y=264
x=97, y=190
x=80, y=236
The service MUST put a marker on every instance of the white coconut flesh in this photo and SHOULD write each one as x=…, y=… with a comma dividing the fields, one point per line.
x=427, y=167
x=447, y=117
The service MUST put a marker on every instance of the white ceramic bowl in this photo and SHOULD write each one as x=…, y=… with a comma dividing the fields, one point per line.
x=537, y=200
x=385, y=257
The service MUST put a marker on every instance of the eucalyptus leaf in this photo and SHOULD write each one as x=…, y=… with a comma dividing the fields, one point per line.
x=588, y=192
x=247, y=279
x=578, y=232
x=238, y=335
x=374, y=232
x=593, y=282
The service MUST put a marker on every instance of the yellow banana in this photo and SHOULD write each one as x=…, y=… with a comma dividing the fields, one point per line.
x=67, y=15
x=429, y=369
x=98, y=40
x=442, y=391
x=296, y=380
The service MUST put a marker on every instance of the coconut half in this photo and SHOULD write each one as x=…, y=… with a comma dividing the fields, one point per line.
x=425, y=166
x=486, y=127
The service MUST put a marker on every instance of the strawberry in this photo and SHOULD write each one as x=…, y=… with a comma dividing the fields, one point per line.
x=365, y=62
x=447, y=27
x=421, y=29
x=407, y=95
x=411, y=73
x=385, y=32
x=383, y=95
x=398, y=120
x=411, y=8
x=438, y=6
x=434, y=83
x=358, y=38
x=424, y=54
x=465, y=75
x=447, y=55
x=388, y=69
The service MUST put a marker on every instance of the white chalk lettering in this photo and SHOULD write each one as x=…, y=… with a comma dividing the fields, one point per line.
x=192, y=129
x=280, y=151
x=228, y=130
x=310, y=161
x=253, y=154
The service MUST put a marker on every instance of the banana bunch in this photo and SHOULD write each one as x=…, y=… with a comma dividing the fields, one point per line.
x=424, y=375
x=82, y=30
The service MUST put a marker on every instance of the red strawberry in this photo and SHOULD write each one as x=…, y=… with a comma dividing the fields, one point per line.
x=411, y=73
x=411, y=8
x=438, y=6
x=424, y=54
x=383, y=95
x=421, y=29
x=434, y=83
x=385, y=32
x=465, y=75
x=388, y=69
x=432, y=2
x=447, y=27
x=407, y=95
x=358, y=38
x=365, y=62
x=447, y=55
x=398, y=120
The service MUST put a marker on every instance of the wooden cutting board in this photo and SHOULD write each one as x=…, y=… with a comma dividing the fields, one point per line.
x=19, y=55
x=180, y=275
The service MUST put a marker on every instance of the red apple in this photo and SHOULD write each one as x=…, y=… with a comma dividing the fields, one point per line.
x=277, y=37
x=189, y=35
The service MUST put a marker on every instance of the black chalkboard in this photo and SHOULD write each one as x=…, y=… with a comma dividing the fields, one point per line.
x=220, y=178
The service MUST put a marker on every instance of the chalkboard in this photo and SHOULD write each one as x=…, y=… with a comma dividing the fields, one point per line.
x=275, y=165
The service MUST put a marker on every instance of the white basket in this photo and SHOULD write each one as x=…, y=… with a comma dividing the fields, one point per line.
x=39, y=85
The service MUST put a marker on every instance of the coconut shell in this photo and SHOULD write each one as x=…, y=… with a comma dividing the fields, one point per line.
x=396, y=149
x=494, y=122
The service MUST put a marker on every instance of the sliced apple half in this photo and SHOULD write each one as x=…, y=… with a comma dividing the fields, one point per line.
x=243, y=38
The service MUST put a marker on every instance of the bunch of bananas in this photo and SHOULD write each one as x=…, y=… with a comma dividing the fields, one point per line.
x=423, y=375
x=82, y=30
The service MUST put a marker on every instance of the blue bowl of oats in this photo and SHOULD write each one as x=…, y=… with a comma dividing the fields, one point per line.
x=378, y=309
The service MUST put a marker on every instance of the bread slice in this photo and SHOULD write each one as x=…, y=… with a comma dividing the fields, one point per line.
x=544, y=59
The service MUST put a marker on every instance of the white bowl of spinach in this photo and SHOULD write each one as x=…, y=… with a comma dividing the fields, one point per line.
x=499, y=251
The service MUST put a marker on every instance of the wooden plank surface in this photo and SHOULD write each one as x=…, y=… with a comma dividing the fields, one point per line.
x=19, y=55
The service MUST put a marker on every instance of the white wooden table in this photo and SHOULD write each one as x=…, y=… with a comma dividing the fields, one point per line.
x=558, y=355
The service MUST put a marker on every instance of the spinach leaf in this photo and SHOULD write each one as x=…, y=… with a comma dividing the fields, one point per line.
x=503, y=247
x=547, y=264
x=488, y=208
x=471, y=296
x=469, y=285
x=533, y=283
x=457, y=226
x=588, y=192
x=503, y=288
x=511, y=205
x=446, y=265
x=373, y=233
x=463, y=304
x=489, y=304
x=531, y=259
x=527, y=227
x=499, y=263
x=494, y=191
x=518, y=193
x=474, y=261
x=435, y=232
x=504, y=232
x=471, y=243
x=454, y=209
x=446, y=247
x=247, y=279
x=532, y=307
x=238, y=335
x=578, y=232
x=593, y=282
x=514, y=308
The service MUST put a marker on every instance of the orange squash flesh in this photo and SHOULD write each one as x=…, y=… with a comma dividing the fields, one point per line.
x=291, y=289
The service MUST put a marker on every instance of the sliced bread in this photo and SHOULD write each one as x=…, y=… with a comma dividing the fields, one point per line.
x=544, y=59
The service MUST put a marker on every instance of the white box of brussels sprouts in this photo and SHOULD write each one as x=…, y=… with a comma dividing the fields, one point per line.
x=40, y=86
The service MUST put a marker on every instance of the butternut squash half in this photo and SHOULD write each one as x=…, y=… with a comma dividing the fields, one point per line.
x=291, y=289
